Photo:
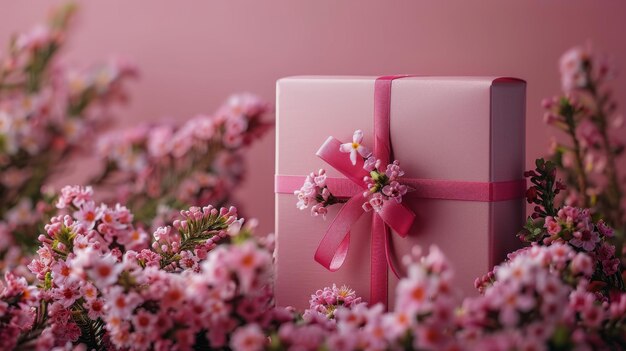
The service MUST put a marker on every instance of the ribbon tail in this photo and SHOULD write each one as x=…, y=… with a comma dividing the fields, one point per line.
x=378, y=264
x=333, y=249
x=398, y=217
x=390, y=254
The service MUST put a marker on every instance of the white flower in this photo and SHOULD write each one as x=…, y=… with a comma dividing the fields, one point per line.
x=355, y=147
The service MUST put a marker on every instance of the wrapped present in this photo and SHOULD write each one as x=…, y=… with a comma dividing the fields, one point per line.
x=460, y=147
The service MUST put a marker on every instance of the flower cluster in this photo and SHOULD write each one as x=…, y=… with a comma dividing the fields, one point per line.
x=17, y=300
x=48, y=111
x=570, y=225
x=542, y=299
x=382, y=183
x=580, y=68
x=157, y=169
x=103, y=285
x=314, y=192
x=423, y=317
x=539, y=299
x=587, y=114
x=327, y=300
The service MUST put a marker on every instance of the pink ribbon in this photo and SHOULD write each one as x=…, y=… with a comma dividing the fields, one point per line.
x=333, y=248
x=421, y=188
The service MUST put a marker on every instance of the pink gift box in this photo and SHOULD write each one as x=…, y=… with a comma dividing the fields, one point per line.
x=464, y=129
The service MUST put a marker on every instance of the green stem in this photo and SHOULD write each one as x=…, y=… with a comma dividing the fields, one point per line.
x=580, y=167
x=613, y=192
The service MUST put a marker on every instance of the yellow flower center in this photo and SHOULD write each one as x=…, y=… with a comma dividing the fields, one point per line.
x=355, y=145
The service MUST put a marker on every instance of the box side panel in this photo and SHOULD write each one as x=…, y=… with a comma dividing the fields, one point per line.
x=508, y=130
x=508, y=125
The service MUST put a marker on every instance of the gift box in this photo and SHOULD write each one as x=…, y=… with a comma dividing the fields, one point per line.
x=460, y=141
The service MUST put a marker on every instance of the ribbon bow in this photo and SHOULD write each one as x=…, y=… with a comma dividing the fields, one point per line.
x=333, y=249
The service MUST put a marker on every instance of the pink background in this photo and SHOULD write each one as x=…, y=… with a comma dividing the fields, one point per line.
x=193, y=54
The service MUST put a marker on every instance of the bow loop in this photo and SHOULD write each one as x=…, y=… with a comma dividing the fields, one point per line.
x=329, y=152
x=398, y=217
x=333, y=249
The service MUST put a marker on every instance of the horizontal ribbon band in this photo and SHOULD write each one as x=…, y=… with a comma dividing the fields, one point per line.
x=422, y=188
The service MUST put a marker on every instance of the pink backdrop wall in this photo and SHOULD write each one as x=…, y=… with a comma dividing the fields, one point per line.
x=192, y=54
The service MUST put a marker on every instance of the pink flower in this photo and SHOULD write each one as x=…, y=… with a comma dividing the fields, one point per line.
x=158, y=143
x=181, y=143
x=604, y=229
x=103, y=270
x=88, y=291
x=120, y=303
x=22, y=213
x=314, y=192
x=74, y=195
x=588, y=134
x=572, y=67
x=429, y=337
x=232, y=140
x=204, y=127
x=250, y=309
x=341, y=341
x=188, y=260
x=395, y=191
x=383, y=186
x=143, y=320
x=37, y=38
x=326, y=194
x=319, y=210
x=174, y=294
x=61, y=272
x=355, y=147
x=67, y=294
x=396, y=324
x=88, y=214
x=393, y=171
x=319, y=178
x=583, y=264
x=375, y=202
x=306, y=195
x=413, y=294
x=248, y=338
x=610, y=266
x=327, y=301
x=512, y=304
x=95, y=308
x=371, y=164
x=585, y=239
x=552, y=226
